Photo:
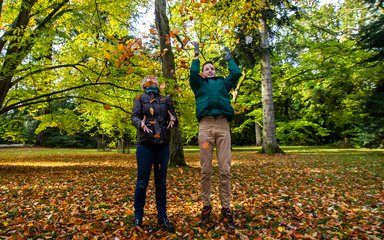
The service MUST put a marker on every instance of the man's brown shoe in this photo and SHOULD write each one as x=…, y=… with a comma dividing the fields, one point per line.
x=227, y=215
x=205, y=214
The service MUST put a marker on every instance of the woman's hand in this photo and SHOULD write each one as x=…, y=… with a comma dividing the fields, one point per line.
x=144, y=126
x=172, y=120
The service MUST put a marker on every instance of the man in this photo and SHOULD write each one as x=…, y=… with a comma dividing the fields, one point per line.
x=214, y=112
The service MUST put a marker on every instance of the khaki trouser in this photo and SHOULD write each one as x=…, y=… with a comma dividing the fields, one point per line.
x=215, y=132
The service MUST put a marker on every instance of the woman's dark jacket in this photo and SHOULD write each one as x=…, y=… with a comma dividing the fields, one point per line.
x=157, y=119
x=212, y=94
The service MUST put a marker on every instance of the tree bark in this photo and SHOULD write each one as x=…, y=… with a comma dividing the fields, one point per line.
x=269, y=144
x=258, y=134
x=168, y=69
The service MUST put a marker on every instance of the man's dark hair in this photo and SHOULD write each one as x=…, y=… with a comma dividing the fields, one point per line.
x=206, y=64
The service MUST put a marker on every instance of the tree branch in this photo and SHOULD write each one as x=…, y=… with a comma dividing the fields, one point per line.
x=104, y=103
x=51, y=16
x=64, y=97
x=21, y=21
x=46, y=69
x=35, y=100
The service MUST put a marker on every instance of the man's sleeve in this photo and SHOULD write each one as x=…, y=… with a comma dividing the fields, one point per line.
x=234, y=74
x=194, y=78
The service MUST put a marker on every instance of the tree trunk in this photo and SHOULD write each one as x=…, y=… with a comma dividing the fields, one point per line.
x=168, y=69
x=258, y=134
x=15, y=52
x=19, y=45
x=270, y=145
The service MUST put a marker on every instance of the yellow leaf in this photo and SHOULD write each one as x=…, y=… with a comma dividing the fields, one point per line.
x=5, y=224
x=281, y=229
x=107, y=55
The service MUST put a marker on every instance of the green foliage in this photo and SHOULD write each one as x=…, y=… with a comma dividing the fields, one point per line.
x=371, y=36
x=52, y=137
x=300, y=132
x=17, y=127
x=322, y=78
x=67, y=121
x=82, y=70
x=12, y=131
x=372, y=129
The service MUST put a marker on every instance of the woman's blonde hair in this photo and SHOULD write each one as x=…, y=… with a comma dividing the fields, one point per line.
x=144, y=84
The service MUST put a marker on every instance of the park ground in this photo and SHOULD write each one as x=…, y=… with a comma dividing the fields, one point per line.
x=307, y=193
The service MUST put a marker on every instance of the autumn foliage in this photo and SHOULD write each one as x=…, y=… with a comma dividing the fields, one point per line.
x=89, y=195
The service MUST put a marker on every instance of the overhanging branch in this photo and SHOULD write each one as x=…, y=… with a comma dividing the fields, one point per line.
x=44, y=97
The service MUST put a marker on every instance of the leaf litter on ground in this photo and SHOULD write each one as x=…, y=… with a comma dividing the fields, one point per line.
x=292, y=196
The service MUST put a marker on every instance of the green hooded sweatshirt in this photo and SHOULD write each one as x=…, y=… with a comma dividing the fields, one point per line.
x=212, y=94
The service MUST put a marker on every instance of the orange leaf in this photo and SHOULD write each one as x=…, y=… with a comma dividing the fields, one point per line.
x=185, y=40
x=205, y=145
x=120, y=47
x=152, y=31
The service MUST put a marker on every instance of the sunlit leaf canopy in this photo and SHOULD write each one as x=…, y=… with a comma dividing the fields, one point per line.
x=86, y=36
x=84, y=54
x=321, y=82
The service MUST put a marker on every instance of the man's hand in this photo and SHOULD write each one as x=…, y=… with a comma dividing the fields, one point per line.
x=203, y=75
x=172, y=120
x=144, y=126
x=227, y=54
x=196, y=49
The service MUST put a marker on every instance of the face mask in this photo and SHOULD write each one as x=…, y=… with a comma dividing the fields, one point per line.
x=152, y=89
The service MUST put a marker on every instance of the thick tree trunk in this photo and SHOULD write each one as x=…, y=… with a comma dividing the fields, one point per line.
x=168, y=69
x=14, y=53
x=270, y=145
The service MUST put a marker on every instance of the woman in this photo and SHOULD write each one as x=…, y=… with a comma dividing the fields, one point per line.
x=153, y=115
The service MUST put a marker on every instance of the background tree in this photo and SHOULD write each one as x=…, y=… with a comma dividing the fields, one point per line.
x=168, y=69
x=371, y=38
x=84, y=66
x=68, y=50
x=323, y=77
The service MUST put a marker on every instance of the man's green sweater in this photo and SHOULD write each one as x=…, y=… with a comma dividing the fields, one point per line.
x=212, y=94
